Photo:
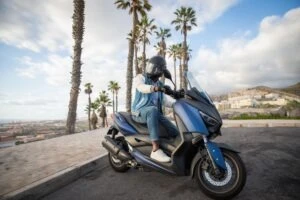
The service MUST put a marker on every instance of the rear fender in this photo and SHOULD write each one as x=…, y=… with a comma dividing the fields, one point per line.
x=113, y=130
x=199, y=155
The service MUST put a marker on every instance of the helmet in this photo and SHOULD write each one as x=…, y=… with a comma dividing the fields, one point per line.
x=156, y=66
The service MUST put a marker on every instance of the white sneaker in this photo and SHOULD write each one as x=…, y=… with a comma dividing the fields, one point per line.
x=160, y=156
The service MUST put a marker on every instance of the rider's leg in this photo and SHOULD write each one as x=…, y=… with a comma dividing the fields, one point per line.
x=170, y=127
x=150, y=115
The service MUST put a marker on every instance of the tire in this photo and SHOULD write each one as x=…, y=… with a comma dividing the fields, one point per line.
x=227, y=186
x=114, y=162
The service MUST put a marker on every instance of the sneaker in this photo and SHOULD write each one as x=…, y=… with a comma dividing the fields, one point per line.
x=160, y=156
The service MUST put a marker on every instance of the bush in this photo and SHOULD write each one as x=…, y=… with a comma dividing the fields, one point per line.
x=246, y=116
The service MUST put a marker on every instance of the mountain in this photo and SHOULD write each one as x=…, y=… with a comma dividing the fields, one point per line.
x=292, y=91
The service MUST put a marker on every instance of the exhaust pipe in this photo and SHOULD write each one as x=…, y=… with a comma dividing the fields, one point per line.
x=111, y=146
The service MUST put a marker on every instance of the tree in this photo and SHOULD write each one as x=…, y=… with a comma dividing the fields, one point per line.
x=162, y=34
x=173, y=52
x=94, y=118
x=146, y=27
x=112, y=87
x=137, y=67
x=158, y=48
x=78, y=29
x=185, y=19
x=135, y=7
x=88, y=91
x=179, y=52
x=117, y=88
x=103, y=101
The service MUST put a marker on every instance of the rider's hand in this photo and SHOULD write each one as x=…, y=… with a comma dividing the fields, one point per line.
x=158, y=89
x=178, y=94
x=168, y=90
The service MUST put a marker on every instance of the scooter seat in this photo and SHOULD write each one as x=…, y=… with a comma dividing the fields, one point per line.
x=142, y=128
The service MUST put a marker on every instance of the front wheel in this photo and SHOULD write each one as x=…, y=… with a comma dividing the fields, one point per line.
x=225, y=185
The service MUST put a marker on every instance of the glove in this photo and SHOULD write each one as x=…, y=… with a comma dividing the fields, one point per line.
x=168, y=90
x=158, y=89
x=178, y=94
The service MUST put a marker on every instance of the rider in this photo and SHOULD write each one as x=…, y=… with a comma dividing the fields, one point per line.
x=147, y=105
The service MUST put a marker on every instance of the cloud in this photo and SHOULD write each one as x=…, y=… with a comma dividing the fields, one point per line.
x=29, y=102
x=56, y=68
x=36, y=26
x=271, y=58
x=206, y=11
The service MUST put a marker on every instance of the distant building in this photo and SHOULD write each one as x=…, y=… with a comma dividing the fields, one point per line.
x=272, y=96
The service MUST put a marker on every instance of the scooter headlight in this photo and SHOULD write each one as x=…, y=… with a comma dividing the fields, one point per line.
x=209, y=120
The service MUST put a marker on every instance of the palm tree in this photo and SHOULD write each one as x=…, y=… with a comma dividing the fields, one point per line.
x=94, y=118
x=112, y=87
x=146, y=28
x=117, y=88
x=138, y=70
x=88, y=91
x=173, y=52
x=135, y=7
x=162, y=34
x=103, y=101
x=185, y=19
x=78, y=29
x=179, y=52
x=158, y=48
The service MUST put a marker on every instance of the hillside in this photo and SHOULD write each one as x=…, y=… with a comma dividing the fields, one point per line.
x=292, y=91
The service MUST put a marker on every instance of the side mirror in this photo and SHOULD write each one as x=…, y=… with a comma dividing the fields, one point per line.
x=167, y=74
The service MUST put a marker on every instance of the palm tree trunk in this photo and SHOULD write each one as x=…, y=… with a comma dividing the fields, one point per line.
x=180, y=73
x=144, y=53
x=163, y=53
x=78, y=28
x=175, y=72
x=116, y=101
x=137, y=71
x=184, y=59
x=129, y=73
x=113, y=102
x=89, y=110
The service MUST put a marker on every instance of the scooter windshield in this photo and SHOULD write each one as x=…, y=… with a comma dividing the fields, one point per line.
x=193, y=83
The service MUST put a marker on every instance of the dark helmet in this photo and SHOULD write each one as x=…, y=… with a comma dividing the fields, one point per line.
x=156, y=66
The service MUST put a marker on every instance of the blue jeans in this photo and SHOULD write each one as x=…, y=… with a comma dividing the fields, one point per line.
x=152, y=117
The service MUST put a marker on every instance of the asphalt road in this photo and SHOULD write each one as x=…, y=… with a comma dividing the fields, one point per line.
x=271, y=156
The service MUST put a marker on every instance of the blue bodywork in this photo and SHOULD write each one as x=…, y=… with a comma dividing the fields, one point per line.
x=216, y=154
x=191, y=118
x=195, y=124
x=122, y=124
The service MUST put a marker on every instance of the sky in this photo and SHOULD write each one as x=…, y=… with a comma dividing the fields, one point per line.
x=237, y=44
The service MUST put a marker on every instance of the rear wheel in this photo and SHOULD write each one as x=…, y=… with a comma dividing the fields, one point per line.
x=117, y=164
x=225, y=185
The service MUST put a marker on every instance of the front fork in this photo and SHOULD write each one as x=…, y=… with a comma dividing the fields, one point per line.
x=215, y=155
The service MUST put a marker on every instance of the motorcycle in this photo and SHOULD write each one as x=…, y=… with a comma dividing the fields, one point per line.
x=217, y=168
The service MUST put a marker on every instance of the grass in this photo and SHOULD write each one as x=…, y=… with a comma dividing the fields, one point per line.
x=262, y=116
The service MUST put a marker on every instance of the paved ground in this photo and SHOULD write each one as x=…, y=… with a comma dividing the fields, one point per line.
x=25, y=164
x=271, y=156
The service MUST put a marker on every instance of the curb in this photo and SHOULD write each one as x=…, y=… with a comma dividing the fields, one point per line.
x=41, y=188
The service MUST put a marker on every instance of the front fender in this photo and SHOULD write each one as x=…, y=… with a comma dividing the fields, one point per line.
x=199, y=155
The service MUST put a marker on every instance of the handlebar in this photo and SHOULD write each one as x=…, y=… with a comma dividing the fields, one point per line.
x=176, y=94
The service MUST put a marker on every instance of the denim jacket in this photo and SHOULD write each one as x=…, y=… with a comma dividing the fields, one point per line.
x=144, y=90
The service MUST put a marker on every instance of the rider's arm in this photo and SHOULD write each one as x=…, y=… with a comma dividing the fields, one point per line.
x=139, y=82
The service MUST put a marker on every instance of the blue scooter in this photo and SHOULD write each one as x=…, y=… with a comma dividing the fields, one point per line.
x=217, y=168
